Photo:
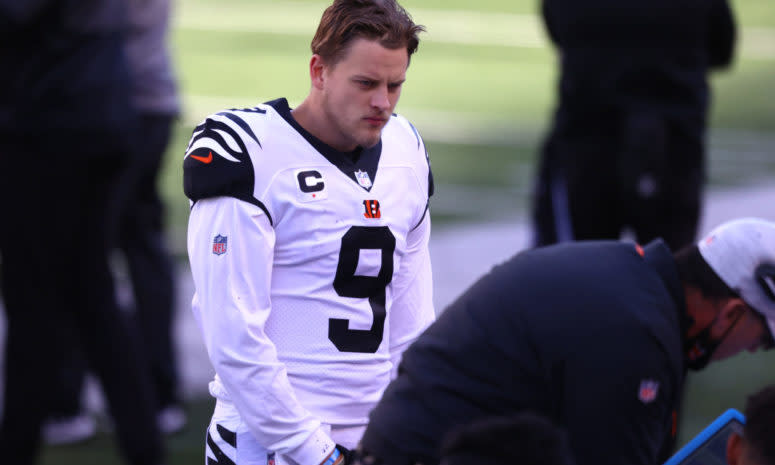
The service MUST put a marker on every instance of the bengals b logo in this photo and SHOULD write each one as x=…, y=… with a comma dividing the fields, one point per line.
x=372, y=209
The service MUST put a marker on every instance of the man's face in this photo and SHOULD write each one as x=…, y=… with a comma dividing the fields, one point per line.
x=360, y=92
x=749, y=333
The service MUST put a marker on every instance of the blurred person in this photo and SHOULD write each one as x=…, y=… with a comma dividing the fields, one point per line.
x=154, y=95
x=66, y=124
x=524, y=439
x=595, y=335
x=308, y=242
x=754, y=445
x=626, y=152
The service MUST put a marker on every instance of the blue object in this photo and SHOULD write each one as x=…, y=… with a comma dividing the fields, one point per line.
x=709, y=446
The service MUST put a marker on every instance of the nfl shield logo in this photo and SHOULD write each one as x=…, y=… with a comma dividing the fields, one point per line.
x=648, y=390
x=219, y=244
x=363, y=179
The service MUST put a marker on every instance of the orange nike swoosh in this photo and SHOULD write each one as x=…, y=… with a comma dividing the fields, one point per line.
x=206, y=159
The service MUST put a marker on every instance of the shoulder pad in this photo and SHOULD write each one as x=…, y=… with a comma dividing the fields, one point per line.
x=217, y=161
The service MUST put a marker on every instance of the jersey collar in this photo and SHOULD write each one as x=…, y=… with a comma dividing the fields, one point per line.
x=364, y=160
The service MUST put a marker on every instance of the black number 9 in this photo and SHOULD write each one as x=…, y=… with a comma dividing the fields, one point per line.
x=347, y=284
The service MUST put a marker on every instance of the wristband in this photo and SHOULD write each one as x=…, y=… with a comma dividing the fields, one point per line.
x=331, y=460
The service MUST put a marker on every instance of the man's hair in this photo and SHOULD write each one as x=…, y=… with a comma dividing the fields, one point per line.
x=695, y=271
x=759, y=424
x=525, y=438
x=384, y=21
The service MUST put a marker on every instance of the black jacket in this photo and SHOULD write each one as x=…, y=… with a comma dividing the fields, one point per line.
x=63, y=66
x=644, y=56
x=588, y=334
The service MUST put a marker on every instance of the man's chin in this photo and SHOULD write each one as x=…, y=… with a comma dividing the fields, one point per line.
x=369, y=142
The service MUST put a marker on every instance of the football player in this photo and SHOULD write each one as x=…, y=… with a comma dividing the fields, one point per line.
x=308, y=243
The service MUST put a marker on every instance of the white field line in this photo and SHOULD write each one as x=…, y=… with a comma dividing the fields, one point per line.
x=444, y=26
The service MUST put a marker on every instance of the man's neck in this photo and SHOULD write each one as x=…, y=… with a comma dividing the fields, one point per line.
x=310, y=116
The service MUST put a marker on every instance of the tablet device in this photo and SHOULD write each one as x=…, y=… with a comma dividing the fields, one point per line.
x=710, y=446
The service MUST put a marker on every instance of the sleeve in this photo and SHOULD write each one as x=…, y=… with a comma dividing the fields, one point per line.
x=618, y=400
x=218, y=162
x=231, y=306
x=412, y=311
x=721, y=34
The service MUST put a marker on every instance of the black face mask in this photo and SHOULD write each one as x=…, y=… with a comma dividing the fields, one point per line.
x=701, y=347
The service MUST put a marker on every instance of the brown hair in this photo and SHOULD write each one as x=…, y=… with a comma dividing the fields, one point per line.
x=382, y=20
x=695, y=271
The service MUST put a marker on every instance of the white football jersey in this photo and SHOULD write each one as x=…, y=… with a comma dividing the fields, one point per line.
x=311, y=267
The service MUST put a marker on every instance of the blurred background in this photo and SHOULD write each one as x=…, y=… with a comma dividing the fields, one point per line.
x=481, y=91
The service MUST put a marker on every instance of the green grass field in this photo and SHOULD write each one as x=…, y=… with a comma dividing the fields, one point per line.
x=481, y=91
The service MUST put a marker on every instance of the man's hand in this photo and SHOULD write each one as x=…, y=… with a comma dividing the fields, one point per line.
x=337, y=457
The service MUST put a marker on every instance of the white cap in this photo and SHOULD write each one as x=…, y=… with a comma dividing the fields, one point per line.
x=742, y=253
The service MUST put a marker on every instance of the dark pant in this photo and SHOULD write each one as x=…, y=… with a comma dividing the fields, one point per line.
x=141, y=239
x=58, y=198
x=601, y=174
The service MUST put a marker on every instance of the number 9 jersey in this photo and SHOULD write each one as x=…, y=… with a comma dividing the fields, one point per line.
x=311, y=266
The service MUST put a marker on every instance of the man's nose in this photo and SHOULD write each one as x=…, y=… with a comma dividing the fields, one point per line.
x=379, y=98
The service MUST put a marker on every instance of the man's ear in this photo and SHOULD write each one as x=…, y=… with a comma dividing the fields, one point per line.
x=731, y=310
x=316, y=69
x=734, y=449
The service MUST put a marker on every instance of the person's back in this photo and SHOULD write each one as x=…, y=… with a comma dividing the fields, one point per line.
x=524, y=439
x=596, y=336
x=535, y=311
